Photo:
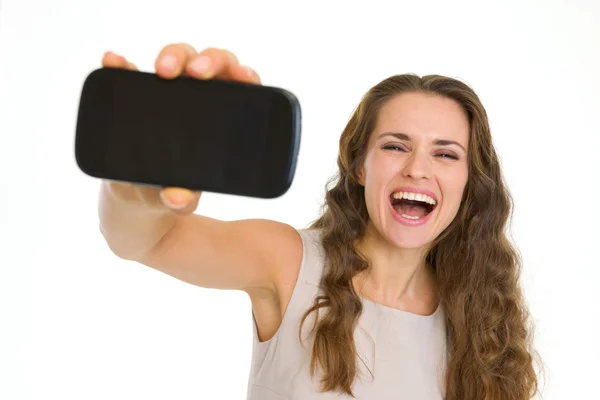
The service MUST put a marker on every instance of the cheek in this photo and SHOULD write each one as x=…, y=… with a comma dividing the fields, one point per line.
x=380, y=171
x=378, y=175
x=454, y=187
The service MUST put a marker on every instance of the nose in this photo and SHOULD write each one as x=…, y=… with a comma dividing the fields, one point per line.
x=417, y=166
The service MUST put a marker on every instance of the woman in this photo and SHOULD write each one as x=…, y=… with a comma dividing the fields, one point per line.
x=406, y=287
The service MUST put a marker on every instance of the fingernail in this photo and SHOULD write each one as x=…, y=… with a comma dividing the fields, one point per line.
x=201, y=66
x=180, y=201
x=168, y=62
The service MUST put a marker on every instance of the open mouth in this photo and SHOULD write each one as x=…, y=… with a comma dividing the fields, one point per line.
x=412, y=205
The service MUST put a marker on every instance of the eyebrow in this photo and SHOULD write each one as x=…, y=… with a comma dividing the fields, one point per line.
x=439, y=142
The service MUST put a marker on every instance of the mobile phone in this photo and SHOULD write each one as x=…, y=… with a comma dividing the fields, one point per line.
x=207, y=135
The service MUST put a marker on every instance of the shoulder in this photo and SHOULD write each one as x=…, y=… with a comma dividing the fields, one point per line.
x=296, y=263
x=306, y=264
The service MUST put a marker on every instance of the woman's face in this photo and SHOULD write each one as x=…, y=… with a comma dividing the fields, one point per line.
x=415, y=169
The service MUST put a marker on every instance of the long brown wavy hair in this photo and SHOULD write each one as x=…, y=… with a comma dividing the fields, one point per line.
x=477, y=269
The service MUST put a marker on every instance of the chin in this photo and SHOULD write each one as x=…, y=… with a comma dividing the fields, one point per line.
x=409, y=239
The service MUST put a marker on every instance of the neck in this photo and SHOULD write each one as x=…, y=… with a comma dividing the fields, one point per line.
x=396, y=277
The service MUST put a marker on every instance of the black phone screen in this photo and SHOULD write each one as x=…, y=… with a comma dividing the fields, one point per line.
x=204, y=135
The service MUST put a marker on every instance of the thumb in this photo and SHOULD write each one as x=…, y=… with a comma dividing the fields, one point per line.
x=181, y=200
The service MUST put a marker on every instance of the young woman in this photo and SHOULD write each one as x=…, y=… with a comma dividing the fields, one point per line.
x=405, y=288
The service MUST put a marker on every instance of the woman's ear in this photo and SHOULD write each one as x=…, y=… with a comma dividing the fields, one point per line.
x=360, y=174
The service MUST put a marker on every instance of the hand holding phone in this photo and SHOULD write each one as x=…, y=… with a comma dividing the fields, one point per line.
x=202, y=122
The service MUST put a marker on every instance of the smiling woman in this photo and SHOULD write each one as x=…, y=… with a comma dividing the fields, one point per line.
x=428, y=156
x=416, y=222
x=405, y=287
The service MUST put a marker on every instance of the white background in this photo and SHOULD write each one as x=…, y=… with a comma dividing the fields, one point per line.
x=78, y=323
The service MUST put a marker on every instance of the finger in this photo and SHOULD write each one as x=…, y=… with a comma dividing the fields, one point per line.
x=172, y=60
x=179, y=199
x=244, y=73
x=210, y=63
x=113, y=60
x=221, y=64
x=232, y=57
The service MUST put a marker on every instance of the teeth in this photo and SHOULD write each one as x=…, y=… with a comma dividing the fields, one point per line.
x=410, y=216
x=414, y=196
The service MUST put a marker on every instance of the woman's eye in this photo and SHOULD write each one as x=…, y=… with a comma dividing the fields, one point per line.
x=393, y=147
x=447, y=155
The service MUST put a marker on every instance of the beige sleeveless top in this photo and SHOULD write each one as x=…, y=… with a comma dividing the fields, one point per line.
x=405, y=352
